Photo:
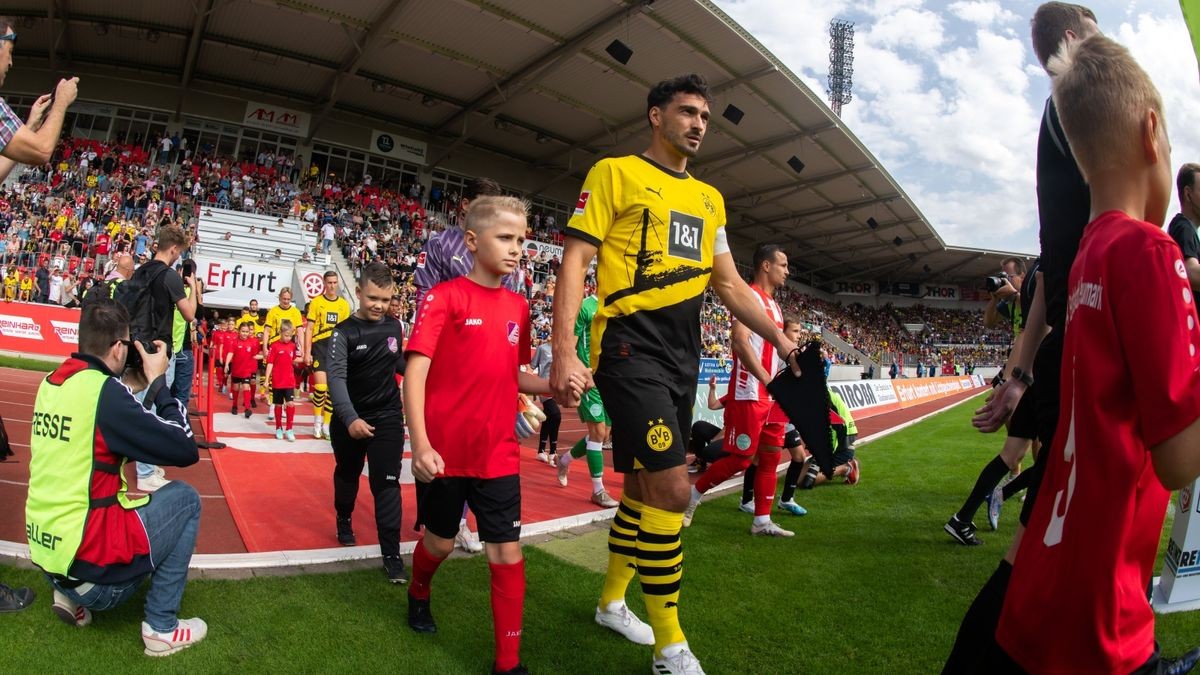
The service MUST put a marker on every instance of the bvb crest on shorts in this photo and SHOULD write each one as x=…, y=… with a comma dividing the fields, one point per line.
x=659, y=437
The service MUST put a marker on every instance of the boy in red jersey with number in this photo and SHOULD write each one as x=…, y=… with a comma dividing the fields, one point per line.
x=282, y=359
x=468, y=343
x=241, y=364
x=1130, y=411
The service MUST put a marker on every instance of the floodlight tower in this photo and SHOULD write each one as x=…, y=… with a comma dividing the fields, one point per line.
x=841, y=63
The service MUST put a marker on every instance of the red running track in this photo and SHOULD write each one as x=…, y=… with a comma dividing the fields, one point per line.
x=260, y=494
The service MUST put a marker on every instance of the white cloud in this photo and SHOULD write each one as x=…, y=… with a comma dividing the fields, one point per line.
x=907, y=27
x=1162, y=47
x=983, y=13
x=948, y=95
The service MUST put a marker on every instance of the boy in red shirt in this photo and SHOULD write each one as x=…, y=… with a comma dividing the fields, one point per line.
x=241, y=364
x=1130, y=405
x=282, y=359
x=467, y=346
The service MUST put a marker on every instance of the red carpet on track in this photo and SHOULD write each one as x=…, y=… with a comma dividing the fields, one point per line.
x=282, y=499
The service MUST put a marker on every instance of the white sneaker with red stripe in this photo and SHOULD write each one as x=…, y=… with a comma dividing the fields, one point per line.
x=186, y=634
x=71, y=614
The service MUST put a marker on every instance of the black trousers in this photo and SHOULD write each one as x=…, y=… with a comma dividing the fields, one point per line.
x=549, y=431
x=384, y=452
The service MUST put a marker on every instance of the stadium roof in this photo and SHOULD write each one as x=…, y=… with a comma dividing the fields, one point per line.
x=532, y=81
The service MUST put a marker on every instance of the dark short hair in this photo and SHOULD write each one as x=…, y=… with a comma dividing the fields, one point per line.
x=482, y=187
x=764, y=253
x=1186, y=177
x=102, y=324
x=790, y=319
x=7, y=24
x=1015, y=261
x=376, y=273
x=1050, y=21
x=664, y=92
x=329, y=273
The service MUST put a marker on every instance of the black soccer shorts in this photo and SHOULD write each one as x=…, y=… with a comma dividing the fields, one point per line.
x=281, y=396
x=496, y=503
x=651, y=418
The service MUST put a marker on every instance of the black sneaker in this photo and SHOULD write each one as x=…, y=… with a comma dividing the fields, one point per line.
x=1181, y=665
x=420, y=619
x=234, y=410
x=963, y=533
x=248, y=413
x=393, y=567
x=345, y=532
x=15, y=599
x=519, y=669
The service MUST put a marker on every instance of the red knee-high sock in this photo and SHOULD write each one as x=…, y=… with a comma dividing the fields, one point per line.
x=291, y=415
x=279, y=417
x=721, y=470
x=424, y=565
x=508, y=603
x=249, y=394
x=764, y=482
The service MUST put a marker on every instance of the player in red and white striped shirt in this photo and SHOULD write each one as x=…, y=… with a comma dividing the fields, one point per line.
x=750, y=430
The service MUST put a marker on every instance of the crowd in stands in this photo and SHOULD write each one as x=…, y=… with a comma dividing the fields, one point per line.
x=61, y=223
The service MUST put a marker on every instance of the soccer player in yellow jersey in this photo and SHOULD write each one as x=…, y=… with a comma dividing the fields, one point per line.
x=324, y=312
x=276, y=315
x=660, y=237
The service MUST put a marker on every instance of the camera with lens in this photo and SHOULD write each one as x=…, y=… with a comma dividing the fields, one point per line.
x=995, y=283
x=133, y=360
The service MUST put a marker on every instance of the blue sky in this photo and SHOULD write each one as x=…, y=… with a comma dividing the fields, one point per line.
x=948, y=95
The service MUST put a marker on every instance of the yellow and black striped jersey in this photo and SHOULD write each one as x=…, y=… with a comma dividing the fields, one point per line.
x=324, y=314
x=657, y=231
x=275, y=316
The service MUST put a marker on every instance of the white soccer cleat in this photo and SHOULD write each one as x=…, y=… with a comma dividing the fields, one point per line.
x=677, y=659
x=467, y=540
x=186, y=634
x=318, y=432
x=746, y=507
x=770, y=529
x=618, y=618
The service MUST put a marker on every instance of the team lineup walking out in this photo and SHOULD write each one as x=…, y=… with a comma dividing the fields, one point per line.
x=660, y=237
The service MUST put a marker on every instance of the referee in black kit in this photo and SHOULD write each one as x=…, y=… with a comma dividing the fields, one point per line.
x=365, y=353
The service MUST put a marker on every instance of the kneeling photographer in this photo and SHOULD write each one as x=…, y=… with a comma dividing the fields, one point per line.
x=95, y=542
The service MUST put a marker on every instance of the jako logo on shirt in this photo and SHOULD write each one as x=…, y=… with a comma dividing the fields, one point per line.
x=473, y=322
x=514, y=333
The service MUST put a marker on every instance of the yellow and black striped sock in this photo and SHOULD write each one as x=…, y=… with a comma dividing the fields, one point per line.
x=622, y=551
x=660, y=566
x=319, y=398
